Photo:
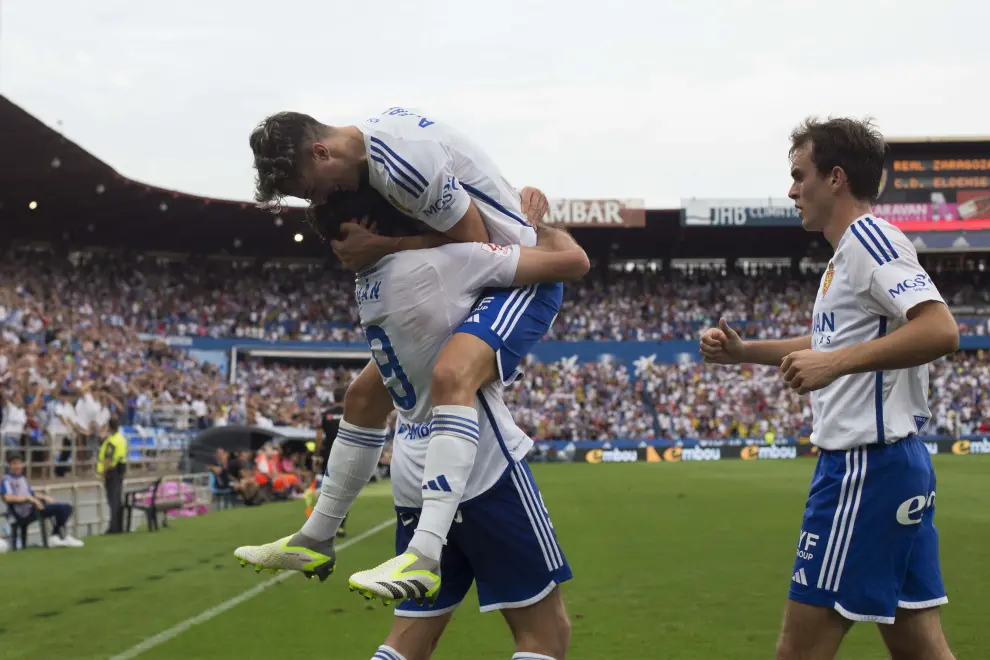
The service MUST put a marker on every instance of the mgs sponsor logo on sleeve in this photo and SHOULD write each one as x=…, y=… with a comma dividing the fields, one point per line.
x=920, y=282
x=445, y=199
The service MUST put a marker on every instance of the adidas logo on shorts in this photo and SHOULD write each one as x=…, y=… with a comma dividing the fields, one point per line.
x=800, y=578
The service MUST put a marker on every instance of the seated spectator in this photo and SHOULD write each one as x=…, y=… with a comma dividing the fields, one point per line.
x=222, y=482
x=242, y=480
x=23, y=505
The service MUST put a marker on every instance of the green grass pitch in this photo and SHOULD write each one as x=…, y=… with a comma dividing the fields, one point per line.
x=677, y=561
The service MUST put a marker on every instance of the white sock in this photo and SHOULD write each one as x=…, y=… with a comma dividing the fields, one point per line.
x=526, y=655
x=353, y=459
x=449, y=460
x=388, y=653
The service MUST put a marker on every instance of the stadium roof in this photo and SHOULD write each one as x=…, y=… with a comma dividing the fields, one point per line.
x=82, y=201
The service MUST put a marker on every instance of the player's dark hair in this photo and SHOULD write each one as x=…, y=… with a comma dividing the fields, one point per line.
x=854, y=145
x=280, y=145
x=325, y=219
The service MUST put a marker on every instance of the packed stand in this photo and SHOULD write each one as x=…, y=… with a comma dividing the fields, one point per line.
x=72, y=354
x=314, y=301
x=570, y=401
x=767, y=304
x=198, y=297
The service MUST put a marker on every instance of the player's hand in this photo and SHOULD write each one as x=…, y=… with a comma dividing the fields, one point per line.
x=358, y=246
x=806, y=371
x=38, y=504
x=534, y=205
x=722, y=345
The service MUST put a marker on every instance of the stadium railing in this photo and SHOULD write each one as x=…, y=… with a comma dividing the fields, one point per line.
x=172, y=417
x=65, y=457
x=91, y=514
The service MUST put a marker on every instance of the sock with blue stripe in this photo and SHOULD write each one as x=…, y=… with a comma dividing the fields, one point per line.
x=353, y=459
x=526, y=655
x=449, y=460
x=387, y=653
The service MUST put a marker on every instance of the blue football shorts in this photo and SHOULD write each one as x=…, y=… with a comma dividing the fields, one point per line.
x=868, y=542
x=503, y=540
x=511, y=321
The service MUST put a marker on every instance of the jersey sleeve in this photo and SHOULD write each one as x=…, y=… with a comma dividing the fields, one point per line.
x=472, y=267
x=890, y=280
x=418, y=178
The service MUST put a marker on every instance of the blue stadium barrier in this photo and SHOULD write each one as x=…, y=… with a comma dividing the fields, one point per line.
x=674, y=350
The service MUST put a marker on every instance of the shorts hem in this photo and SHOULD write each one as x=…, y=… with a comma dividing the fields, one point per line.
x=862, y=618
x=506, y=379
x=922, y=604
x=831, y=603
x=426, y=614
x=522, y=603
x=483, y=333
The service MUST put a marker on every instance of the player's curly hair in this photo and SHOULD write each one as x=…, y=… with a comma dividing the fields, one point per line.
x=326, y=218
x=852, y=144
x=280, y=146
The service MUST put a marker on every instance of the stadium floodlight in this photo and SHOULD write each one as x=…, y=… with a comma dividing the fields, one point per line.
x=298, y=238
x=33, y=205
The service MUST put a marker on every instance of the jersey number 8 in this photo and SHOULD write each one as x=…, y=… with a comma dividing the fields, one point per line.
x=395, y=378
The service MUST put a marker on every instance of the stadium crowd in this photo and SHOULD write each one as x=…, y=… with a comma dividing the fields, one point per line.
x=75, y=349
x=314, y=301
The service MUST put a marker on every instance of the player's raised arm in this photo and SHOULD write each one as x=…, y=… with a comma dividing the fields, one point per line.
x=477, y=266
x=358, y=248
x=723, y=345
x=556, y=258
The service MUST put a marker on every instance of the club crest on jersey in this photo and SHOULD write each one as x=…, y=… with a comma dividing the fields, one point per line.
x=829, y=274
x=396, y=204
x=500, y=250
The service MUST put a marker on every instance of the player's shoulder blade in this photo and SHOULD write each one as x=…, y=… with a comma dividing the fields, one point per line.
x=877, y=242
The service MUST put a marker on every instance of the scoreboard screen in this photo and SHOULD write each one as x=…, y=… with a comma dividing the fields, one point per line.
x=930, y=186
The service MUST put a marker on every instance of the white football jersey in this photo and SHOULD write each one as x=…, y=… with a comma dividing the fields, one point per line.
x=871, y=283
x=410, y=304
x=431, y=172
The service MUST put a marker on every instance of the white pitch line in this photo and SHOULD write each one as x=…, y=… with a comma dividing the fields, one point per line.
x=213, y=612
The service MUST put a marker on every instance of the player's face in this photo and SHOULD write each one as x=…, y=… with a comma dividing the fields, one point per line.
x=329, y=171
x=810, y=191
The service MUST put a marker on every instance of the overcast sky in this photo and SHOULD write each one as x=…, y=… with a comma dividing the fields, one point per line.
x=586, y=99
